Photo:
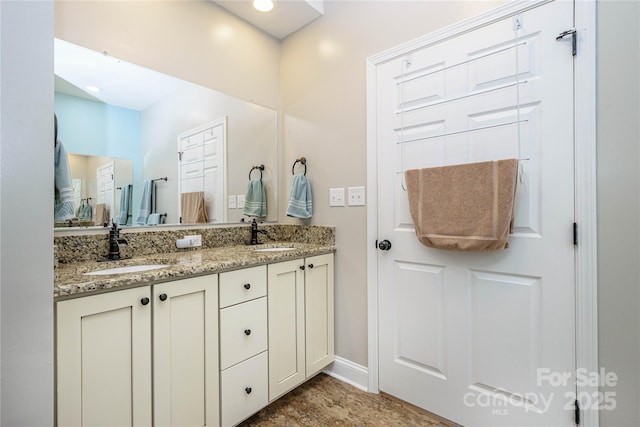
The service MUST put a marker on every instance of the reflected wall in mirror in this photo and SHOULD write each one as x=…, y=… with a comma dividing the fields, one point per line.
x=144, y=128
x=99, y=180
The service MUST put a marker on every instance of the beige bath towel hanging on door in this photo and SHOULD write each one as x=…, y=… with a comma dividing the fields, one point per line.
x=465, y=207
x=192, y=208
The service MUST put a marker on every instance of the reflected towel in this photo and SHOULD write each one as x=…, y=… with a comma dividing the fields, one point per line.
x=154, y=219
x=102, y=214
x=148, y=202
x=124, y=216
x=464, y=207
x=63, y=206
x=87, y=212
x=255, y=201
x=192, y=208
x=300, y=203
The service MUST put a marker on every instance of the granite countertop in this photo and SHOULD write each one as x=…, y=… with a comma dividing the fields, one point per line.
x=70, y=280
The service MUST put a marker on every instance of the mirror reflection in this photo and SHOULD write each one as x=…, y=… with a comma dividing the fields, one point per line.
x=157, y=150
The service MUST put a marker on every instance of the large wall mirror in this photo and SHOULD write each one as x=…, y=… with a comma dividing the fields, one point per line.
x=145, y=128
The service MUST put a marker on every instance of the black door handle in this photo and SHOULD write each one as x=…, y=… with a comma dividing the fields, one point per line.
x=163, y=297
x=385, y=245
x=144, y=301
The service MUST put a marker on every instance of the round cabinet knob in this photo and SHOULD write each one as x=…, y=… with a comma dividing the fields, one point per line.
x=310, y=265
x=385, y=245
x=163, y=297
x=247, y=332
x=302, y=267
x=247, y=286
x=144, y=301
x=248, y=390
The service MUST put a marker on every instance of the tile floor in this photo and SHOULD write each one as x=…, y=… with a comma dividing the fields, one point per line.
x=326, y=401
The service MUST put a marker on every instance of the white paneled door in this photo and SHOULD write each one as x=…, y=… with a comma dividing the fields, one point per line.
x=482, y=339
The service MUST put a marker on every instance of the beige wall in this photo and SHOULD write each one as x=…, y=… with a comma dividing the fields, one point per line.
x=195, y=41
x=618, y=92
x=324, y=107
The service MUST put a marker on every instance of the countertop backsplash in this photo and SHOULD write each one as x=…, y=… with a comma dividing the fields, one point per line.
x=70, y=249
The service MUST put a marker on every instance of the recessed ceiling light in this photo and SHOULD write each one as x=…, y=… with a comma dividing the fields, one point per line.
x=92, y=89
x=263, y=5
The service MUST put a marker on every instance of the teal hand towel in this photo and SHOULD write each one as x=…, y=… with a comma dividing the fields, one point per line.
x=87, y=212
x=300, y=204
x=125, y=206
x=63, y=206
x=147, y=203
x=255, y=201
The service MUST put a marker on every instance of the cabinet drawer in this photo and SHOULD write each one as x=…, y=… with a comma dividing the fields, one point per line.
x=243, y=389
x=243, y=285
x=243, y=331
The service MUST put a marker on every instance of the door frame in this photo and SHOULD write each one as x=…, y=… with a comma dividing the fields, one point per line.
x=585, y=181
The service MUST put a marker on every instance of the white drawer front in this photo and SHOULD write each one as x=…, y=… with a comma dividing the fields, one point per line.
x=244, y=389
x=243, y=331
x=243, y=285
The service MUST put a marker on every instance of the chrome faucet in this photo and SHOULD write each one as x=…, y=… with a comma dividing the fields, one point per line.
x=254, y=232
x=114, y=242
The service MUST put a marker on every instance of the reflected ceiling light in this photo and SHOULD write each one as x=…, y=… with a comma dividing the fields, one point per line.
x=92, y=89
x=263, y=5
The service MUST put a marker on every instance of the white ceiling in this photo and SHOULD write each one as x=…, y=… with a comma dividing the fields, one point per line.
x=286, y=17
x=121, y=83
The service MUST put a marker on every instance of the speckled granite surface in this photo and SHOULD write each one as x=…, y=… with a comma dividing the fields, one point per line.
x=70, y=280
x=153, y=241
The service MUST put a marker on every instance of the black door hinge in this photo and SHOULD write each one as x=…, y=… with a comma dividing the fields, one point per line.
x=577, y=413
x=574, y=39
x=575, y=233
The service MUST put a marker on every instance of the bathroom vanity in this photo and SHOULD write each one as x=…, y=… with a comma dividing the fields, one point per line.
x=210, y=339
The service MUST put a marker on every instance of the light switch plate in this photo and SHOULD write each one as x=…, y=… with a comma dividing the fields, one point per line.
x=356, y=196
x=240, y=203
x=232, y=202
x=336, y=196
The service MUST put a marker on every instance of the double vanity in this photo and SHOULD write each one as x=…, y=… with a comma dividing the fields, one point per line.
x=205, y=336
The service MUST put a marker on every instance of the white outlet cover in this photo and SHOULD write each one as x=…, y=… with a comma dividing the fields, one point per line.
x=356, y=196
x=240, y=203
x=232, y=202
x=336, y=197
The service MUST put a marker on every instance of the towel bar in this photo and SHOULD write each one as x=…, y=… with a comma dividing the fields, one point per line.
x=260, y=168
x=301, y=160
x=160, y=179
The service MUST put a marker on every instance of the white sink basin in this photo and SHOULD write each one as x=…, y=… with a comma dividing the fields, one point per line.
x=126, y=269
x=273, y=249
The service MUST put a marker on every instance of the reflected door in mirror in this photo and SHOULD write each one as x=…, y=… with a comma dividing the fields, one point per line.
x=202, y=160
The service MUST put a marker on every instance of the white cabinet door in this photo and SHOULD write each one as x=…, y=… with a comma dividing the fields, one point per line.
x=185, y=351
x=104, y=359
x=301, y=335
x=286, y=326
x=318, y=307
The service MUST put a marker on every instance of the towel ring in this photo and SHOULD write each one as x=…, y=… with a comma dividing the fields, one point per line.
x=260, y=168
x=303, y=161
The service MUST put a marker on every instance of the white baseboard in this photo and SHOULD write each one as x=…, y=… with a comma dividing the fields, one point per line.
x=349, y=372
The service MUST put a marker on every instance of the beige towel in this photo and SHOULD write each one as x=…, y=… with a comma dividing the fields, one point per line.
x=464, y=207
x=102, y=214
x=192, y=206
